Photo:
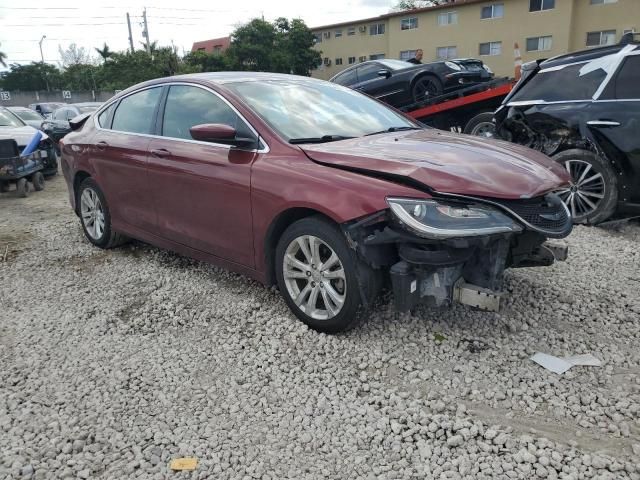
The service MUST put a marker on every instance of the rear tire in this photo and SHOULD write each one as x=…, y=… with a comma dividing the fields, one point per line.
x=23, y=188
x=95, y=217
x=425, y=88
x=593, y=195
x=481, y=126
x=310, y=268
x=38, y=181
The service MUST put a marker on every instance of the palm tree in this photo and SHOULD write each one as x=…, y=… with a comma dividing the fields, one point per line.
x=104, y=52
x=3, y=58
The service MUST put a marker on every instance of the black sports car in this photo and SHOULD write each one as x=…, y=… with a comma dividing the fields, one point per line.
x=401, y=83
x=583, y=110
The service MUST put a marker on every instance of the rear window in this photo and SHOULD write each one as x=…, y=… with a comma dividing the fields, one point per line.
x=573, y=82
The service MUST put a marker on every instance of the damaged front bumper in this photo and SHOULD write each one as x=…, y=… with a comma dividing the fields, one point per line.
x=438, y=272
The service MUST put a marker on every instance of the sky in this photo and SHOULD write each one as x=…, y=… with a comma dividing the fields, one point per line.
x=90, y=23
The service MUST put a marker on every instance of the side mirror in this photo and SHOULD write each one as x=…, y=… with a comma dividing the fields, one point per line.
x=219, y=133
x=384, y=73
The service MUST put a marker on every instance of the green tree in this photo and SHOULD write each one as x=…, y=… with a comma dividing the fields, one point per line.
x=205, y=62
x=282, y=46
x=80, y=76
x=413, y=4
x=73, y=55
x=105, y=52
x=3, y=58
x=35, y=76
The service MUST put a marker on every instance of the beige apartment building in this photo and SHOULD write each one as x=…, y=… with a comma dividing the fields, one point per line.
x=485, y=29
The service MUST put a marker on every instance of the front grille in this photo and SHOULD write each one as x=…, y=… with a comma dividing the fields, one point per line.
x=547, y=213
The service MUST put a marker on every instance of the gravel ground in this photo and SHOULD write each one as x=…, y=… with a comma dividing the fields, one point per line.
x=112, y=363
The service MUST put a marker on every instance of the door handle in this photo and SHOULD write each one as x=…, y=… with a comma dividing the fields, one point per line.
x=603, y=123
x=102, y=146
x=160, y=153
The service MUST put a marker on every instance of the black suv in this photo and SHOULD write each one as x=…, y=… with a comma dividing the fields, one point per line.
x=583, y=110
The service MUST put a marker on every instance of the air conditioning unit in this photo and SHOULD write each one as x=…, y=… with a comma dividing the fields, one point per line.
x=327, y=61
x=363, y=29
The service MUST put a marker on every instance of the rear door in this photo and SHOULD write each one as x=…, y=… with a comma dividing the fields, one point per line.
x=201, y=190
x=614, y=121
x=119, y=157
x=390, y=90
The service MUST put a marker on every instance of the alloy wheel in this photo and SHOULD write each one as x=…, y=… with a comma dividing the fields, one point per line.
x=92, y=213
x=587, y=189
x=424, y=88
x=484, y=129
x=314, y=277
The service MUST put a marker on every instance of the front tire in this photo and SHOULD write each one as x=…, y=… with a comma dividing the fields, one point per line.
x=593, y=194
x=320, y=278
x=481, y=126
x=425, y=88
x=23, y=188
x=95, y=216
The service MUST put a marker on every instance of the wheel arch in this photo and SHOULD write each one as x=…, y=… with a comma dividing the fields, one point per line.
x=79, y=177
x=277, y=227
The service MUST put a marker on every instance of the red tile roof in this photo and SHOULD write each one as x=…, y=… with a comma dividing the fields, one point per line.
x=209, y=45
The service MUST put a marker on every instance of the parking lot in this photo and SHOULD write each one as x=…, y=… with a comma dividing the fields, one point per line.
x=112, y=363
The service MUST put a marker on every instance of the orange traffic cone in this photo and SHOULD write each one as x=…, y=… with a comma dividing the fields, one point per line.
x=518, y=61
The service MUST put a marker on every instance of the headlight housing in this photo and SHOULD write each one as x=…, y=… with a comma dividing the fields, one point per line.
x=453, y=66
x=438, y=220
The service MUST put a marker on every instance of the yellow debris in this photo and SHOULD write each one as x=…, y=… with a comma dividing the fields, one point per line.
x=187, y=463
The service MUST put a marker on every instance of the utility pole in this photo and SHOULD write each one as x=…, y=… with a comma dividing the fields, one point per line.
x=130, y=35
x=145, y=32
x=40, y=42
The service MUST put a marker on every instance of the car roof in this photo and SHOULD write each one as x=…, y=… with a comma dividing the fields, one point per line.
x=585, y=55
x=85, y=104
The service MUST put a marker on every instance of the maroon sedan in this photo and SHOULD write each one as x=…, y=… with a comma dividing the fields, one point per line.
x=315, y=187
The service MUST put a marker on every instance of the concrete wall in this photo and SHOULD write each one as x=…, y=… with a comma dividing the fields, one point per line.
x=567, y=24
x=23, y=99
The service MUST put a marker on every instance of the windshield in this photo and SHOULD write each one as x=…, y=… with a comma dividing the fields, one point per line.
x=88, y=109
x=396, y=64
x=313, y=109
x=27, y=114
x=8, y=119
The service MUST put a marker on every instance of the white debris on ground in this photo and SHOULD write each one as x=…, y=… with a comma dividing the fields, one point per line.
x=113, y=363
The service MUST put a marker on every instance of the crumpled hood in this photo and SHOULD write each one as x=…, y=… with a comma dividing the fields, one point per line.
x=447, y=162
x=22, y=135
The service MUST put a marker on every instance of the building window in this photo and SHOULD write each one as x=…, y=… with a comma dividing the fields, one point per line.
x=352, y=60
x=409, y=23
x=602, y=2
x=326, y=35
x=539, y=5
x=362, y=58
x=318, y=37
x=448, y=18
x=338, y=33
x=539, y=44
x=376, y=29
x=606, y=37
x=338, y=61
x=351, y=31
x=445, y=53
x=326, y=61
x=491, y=48
x=376, y=56
x=492, y=11
x=407, y=54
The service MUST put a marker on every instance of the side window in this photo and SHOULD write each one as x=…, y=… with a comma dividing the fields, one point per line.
x=71, y=113
x=368, y=72
x=135, y=112
x=60, y=114
x=347, y=78
x=573, y=82
x=104, y=119
x=627, y=84
x=188, y=106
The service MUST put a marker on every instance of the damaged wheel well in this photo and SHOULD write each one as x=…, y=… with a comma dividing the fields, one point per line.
x=275, y=230
x=77, y=180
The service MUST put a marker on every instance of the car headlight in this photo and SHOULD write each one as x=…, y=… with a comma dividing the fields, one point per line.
x=432, y=219
x=453, y=66
x=486, y=67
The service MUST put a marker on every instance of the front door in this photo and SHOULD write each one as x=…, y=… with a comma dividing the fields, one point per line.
x=201, y=190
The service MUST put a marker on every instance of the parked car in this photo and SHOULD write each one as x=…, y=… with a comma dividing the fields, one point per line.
x=13, y=127
x=582, y=109
x=58, y=125
x=315, y=187
x=28, y=116
x=401, y=83
x=46, y=108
